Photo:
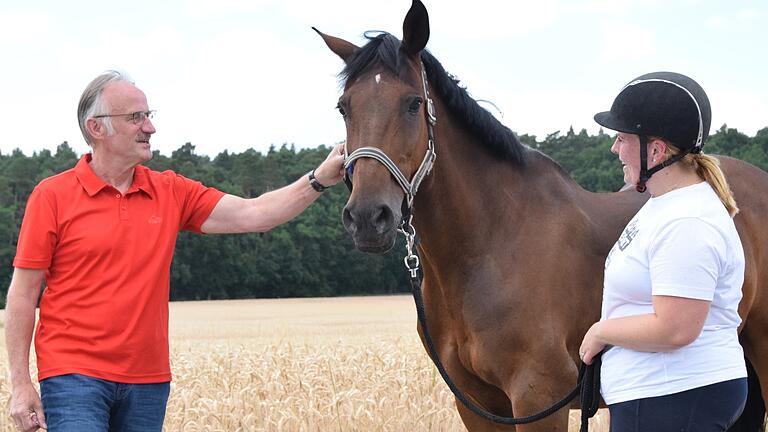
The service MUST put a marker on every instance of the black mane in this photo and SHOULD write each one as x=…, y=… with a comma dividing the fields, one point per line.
x=384, y=50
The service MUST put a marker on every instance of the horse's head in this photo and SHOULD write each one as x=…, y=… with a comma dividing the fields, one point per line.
x=383, y=105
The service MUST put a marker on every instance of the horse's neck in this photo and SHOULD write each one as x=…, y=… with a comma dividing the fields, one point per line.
x=469, y=194
x=474, y=200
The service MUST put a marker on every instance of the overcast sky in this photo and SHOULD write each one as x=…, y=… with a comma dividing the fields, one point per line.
x=239, y=74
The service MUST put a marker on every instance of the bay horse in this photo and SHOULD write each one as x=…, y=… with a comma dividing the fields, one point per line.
x=512, y=249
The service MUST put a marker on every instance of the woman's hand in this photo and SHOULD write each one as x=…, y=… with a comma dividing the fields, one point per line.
x=591, y=345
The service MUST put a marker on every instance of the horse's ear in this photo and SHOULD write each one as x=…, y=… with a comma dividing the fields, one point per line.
x=342, y=48
x=415, y=28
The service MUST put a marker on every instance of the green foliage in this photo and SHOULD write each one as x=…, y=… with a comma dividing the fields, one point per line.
x=311, y=255
x=586, y=158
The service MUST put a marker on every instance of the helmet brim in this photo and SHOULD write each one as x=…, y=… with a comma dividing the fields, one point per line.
x=611, y=121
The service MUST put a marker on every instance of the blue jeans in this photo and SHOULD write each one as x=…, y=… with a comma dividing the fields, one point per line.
x=712, y=408
x=77, y=403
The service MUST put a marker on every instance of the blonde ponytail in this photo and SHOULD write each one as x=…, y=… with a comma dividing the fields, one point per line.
x=708, y=169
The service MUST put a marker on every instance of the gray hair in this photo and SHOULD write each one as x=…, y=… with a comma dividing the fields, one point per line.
x=92, y=103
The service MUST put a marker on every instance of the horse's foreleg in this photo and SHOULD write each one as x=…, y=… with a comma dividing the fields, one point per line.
x=537, y=389
x=482, y=394
x=529, y=393
x=475, y=423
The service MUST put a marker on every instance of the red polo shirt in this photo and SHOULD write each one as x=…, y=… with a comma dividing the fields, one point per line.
x=107, y=256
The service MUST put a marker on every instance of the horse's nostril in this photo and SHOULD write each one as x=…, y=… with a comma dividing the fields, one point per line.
x=383, y=219
x=373, y=219
x=348, y=220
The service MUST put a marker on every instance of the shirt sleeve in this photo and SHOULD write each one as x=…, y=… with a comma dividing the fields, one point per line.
x=686, y=259
x=197, y=201
x=39, y=232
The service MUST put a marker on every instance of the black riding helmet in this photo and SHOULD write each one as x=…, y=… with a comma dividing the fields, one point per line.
x=661, y=104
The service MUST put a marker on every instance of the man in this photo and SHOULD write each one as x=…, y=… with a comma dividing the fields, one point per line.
x=101, y=235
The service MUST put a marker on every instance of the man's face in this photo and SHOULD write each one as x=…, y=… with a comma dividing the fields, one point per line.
x=130, y=142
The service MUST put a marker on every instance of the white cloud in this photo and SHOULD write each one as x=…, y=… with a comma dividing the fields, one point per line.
x=716, y=22
x=487, y=19
x=730, y=19
x=739, y=108
x=248, y=88
x=748, y=14
x=243, y=73
x=24, y=27
x=624, y=41
x=208, y=8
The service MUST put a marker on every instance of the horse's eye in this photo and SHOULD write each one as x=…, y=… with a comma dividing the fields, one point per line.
x=413, y=108
x=341, y=110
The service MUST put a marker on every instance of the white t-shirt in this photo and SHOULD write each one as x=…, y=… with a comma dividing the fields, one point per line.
x=681, y=244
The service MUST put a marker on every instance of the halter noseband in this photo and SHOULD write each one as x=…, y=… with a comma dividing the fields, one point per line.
x=409, y=187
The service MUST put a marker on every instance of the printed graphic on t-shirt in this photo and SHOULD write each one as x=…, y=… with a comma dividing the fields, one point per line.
x=610, y=254
x=628, y=235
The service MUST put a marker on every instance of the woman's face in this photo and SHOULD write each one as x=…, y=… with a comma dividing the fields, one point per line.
x=627, y=147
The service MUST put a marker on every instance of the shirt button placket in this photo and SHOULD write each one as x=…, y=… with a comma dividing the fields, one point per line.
x=123, y=203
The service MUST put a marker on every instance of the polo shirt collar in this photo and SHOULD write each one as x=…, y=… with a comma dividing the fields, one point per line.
x=93, y=184
x=141, y=181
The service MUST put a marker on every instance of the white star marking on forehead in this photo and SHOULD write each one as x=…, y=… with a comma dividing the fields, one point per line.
x=377, y=78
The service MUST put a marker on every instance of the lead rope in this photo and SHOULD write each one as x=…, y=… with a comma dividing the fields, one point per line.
x=587, y=384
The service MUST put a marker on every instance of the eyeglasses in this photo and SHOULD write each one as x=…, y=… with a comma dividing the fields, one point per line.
x=137, y=117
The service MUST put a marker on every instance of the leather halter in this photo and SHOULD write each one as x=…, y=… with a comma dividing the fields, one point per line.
x=409, y=187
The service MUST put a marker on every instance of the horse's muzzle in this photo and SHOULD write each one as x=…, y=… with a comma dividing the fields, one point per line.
x=373, y=226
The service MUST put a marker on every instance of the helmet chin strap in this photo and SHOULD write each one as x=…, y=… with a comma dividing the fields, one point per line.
x=645, y=173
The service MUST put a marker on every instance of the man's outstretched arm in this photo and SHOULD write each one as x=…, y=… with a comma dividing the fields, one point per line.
x=239, y=215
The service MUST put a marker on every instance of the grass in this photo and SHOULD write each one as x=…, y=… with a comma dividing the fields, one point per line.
x=344, y=364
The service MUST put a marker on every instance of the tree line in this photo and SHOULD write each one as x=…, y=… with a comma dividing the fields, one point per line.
x=311, y=255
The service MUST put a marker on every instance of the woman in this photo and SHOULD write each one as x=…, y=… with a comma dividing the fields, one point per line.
x=672, y=359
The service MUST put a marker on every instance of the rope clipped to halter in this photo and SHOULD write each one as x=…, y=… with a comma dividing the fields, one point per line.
x=587, y=383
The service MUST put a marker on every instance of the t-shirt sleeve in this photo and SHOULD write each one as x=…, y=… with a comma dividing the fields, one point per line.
x=686, y=259
x=39, y=232
x=197, y=202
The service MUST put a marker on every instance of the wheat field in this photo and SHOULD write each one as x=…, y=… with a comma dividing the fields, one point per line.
x=341, y=364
